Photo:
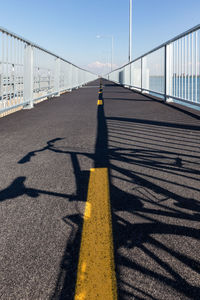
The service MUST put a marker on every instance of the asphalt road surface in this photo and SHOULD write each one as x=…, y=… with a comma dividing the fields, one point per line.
x=152, y=151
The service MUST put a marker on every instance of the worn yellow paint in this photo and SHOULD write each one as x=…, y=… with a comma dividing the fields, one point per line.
x=96, y=277
x=99, y=102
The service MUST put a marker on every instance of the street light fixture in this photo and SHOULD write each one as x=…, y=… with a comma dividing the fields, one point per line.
x=112, y=46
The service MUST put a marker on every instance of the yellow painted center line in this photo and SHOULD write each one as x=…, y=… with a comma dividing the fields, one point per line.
x=99, y=102
x=96, y=277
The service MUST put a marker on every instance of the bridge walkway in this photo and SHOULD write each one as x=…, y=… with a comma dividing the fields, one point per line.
x=151, y=150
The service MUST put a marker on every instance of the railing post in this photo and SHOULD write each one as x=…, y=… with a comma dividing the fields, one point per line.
x=57, y=77
x=28, y=77
x=165, y=73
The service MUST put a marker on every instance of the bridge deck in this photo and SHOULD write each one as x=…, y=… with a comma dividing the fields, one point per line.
x=152, y=152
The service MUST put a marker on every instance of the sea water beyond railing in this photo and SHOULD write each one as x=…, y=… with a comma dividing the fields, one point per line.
x=171, y=71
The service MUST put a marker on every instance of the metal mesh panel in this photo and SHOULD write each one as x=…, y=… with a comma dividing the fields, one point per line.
x=183, y=74
x=11, y=71
x=44, y=68
x=136, y=73
x=29, y=72
x=153, y=71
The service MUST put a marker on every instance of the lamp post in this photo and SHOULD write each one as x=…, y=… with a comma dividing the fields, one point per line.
x=130, y=29
x=130, y=37
x=112, y=46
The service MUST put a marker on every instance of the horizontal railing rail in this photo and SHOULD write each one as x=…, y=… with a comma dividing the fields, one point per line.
x=171, y=70
x=30, y=73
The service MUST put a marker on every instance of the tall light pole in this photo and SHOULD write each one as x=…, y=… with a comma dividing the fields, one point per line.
x=130, y=29
x=112, y=46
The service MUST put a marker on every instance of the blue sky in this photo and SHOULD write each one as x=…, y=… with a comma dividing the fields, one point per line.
x=69, y=28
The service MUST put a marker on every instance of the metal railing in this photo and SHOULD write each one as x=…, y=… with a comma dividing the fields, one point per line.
x=171, y=70
x=29, y=73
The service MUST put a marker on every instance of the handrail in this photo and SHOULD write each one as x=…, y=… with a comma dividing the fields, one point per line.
x=30, y=73
x=160, y=46
x=4, y=30
x=170, y=70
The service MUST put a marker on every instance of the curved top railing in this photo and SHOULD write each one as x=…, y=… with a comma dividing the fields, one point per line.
x=14, y=35
x=29, y=73
x=197, y=27
x=170, y=70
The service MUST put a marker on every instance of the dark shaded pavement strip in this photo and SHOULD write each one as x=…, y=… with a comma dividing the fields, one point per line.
x=154, y=162
x=152, y=152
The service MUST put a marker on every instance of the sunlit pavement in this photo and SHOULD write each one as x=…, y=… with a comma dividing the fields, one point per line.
x=151, y=151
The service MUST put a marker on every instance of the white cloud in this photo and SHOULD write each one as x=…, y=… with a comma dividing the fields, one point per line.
x=100, y=67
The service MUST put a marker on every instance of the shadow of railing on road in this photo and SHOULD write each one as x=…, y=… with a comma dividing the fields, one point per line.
x=155, y=168
x=133, y=150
